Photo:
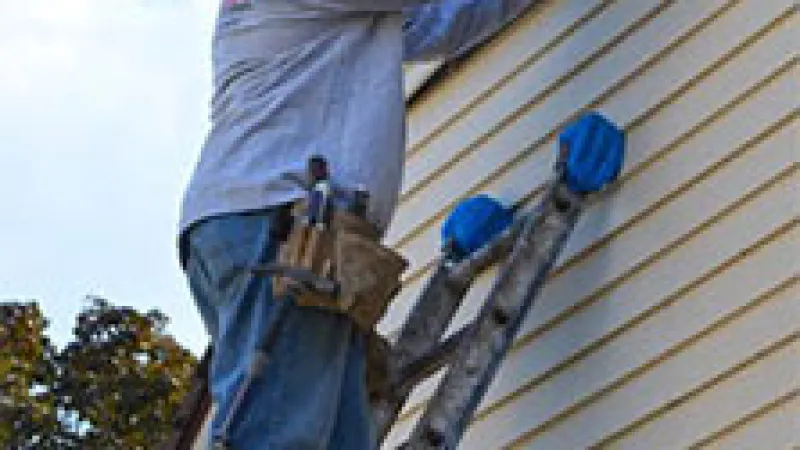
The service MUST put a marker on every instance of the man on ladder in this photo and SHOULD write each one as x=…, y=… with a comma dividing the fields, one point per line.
x=294, y=79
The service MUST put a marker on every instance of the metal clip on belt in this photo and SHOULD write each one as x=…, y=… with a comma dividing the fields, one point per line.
x=340, y=267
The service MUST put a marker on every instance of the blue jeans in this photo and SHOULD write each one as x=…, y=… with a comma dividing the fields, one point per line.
x=312, y=392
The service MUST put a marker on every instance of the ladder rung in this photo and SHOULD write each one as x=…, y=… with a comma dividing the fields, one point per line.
x=408, y=376
x=431, y=316
x=478, y=359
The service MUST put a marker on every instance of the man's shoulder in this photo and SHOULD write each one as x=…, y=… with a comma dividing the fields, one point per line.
x=237, y=5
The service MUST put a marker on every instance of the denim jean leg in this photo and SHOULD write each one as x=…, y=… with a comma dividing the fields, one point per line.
x=200, y=292
x=296, y=402
x=354, y=428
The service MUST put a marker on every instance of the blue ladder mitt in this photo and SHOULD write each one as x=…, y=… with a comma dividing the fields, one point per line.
x=596, y=149
x=473, y=223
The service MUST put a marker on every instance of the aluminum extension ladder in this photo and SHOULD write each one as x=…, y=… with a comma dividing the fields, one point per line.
x=526, y=250
x=473, y=354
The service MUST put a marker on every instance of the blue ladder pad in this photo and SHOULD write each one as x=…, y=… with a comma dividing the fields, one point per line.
x=596, y=152
x=474, y=222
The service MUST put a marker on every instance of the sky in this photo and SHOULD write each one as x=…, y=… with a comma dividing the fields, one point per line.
x=103, y=109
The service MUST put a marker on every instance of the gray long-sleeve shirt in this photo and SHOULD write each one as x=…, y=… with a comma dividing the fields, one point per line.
x=295, y=78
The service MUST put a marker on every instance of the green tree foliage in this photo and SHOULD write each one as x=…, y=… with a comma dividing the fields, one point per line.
x=28, y=414
x=116, y=385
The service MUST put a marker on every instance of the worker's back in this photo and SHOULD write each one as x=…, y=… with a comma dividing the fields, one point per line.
x=291, y=82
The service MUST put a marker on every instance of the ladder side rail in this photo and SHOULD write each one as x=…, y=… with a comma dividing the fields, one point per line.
x=427, y=365
x=415, y=354
x=194, y=410
x=431, y=314
x=428, y=320
x=478, y=359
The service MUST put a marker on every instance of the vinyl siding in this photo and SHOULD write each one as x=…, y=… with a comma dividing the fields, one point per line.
x=671, y=320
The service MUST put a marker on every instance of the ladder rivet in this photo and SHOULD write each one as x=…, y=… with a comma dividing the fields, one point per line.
x=561, y=205
x=434, y=437
x=499, y=316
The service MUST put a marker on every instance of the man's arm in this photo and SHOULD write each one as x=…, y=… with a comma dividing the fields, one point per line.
x=448, y=28
x=347, y=6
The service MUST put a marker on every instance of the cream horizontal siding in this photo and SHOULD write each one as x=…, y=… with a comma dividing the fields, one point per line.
x=531, y=39
x=745, y=390
x=651, y=94
x=515, y=122
x=702, y=366
x=417, y=74
x=776, y=422
x=671, y=319
x=463, y=137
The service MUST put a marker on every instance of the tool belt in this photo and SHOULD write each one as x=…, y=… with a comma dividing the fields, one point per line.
x=341, y=267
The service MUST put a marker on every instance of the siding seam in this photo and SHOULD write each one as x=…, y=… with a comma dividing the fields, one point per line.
x=505, y=79
x=549, y=137
x=668, y=150
x=530, y=337
x=521, y=111
x=617, y=384
x=683, y=239
x=703, y=387
x=751, y=417
x=530, y=104
x=619, y=331
x=635, y=123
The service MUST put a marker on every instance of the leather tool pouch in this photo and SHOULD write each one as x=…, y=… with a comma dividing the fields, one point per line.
x=359, y=276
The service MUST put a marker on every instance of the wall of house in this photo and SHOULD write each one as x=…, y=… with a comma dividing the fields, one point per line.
x=671, y=321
